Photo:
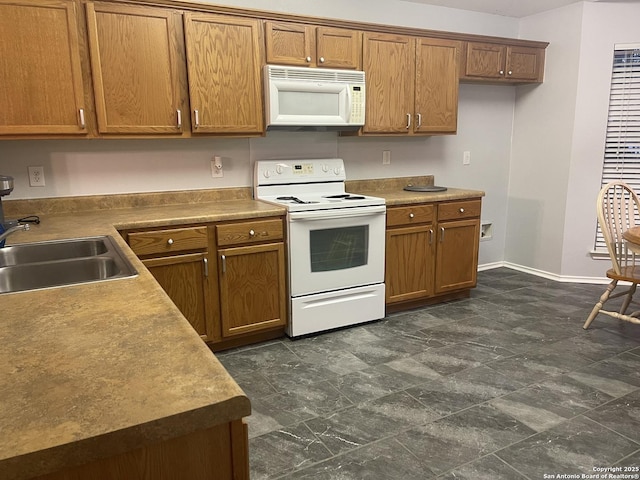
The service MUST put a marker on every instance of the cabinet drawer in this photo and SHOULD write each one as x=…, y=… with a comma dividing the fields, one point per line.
x=409, y=215
x=168, y=241
x=461, y=209
x=249, y=232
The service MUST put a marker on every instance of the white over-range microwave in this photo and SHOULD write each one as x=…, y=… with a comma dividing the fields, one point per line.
x=300, y=98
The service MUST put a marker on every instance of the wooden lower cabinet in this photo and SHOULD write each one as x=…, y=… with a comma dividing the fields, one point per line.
x=409, y=256
x=431, y=252
x=252, y=288
x=185, y=279
x=178, y=258
x=457, y=255
x=251, y=275
x=228, y=279
x=219, y=452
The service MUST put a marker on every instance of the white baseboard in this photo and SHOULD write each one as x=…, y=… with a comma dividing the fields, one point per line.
x=543, y=274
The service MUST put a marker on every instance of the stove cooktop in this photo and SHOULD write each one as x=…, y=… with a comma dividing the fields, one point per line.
x=301, y=185
x=301, y=201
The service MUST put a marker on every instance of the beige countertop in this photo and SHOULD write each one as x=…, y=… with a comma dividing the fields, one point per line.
x=391, y=189
x=93, y=370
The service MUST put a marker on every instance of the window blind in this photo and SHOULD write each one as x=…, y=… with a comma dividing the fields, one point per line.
x=622, y=143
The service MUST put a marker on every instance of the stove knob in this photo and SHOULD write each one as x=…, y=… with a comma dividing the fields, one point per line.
x=337, y=170
x=266, y=173
x=325, y=167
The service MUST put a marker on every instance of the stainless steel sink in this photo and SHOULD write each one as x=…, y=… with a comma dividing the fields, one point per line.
x=33, y=266
x=48, y=251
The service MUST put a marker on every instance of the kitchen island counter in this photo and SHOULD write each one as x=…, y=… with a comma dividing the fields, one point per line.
x=91, y=371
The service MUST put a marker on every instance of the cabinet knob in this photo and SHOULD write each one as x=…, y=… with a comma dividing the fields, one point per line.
x=252, y=233
x=321, y=59
x=308, y=59
x=509, y=72
x=411, y=215
x=501, y=72
x=462, y=210
x=170, y=241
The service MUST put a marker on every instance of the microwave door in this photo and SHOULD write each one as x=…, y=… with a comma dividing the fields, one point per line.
x=308, y=103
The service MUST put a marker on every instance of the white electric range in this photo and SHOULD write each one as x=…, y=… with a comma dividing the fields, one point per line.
x=335, y=242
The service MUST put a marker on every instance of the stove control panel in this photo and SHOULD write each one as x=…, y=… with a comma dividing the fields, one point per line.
x=278, y=172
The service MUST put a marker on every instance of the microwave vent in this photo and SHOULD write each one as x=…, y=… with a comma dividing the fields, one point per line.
x=314, y=74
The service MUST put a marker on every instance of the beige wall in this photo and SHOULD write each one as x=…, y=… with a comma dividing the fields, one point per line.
x=558, y=142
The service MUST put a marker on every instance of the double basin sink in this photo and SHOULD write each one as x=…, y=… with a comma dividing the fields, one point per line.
x=31, y=266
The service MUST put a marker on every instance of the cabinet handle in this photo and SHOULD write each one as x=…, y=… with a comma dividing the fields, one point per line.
x=321, y=59
x=252, y=233
x=501, y=72
x=206, y=266
x=509, y=72
x=419, y=120
x=411, y=215
x=179, y=114
x=308, y=59
x=196, y=118
x=170, y=241
x=441, y=234
x=82, y=122
x=408, y=121
x=462, y=210
x=431, y=236
x=224, y=263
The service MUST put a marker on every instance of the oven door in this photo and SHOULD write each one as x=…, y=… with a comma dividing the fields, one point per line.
x=336, y=249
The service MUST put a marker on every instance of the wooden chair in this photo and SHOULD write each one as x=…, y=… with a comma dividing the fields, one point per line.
x=618, y=208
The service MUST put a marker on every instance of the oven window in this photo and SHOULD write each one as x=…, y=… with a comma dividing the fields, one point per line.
x=339, y=248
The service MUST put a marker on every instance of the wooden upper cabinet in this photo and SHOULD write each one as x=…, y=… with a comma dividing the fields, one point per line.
x=138, y=68
x=412, y=84
x=41, y=87
x=389, y=64
x=310, y=46
x=436, y=94
x=224, y=59
x=525, y=63
x=502, y=63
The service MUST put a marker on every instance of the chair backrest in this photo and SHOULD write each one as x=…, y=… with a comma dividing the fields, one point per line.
x=618, y=209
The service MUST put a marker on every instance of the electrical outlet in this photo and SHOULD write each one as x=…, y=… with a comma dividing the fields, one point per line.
x=386, y=157
x=466, y=158
x=36, y=176
x=216, y=167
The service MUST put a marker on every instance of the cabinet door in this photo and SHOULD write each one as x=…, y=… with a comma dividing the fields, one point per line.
x=138, y=68
x=485, y=60
x=389, y=63
x=436, y=91
x=457, y=255
x=41, y=88
x=224, y=58
x=290, y=44
x=409, y=263
x=185, y=279
x=339, y=48
x=524, y=63
x=252, y=288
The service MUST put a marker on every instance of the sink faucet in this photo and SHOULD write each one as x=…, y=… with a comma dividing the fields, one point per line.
x=16, y=228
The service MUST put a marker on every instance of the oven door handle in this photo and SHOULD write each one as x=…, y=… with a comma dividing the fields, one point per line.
x=337, y=213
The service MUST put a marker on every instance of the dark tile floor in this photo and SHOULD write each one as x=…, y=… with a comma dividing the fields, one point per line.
x=504, y=385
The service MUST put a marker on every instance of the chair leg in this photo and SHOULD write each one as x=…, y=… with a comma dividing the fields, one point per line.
x=628, y=299
x=601, y=302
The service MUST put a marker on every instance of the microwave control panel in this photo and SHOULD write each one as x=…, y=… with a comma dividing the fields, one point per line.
x=357, y=104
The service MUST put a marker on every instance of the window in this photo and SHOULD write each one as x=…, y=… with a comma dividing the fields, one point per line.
x=622, y=143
